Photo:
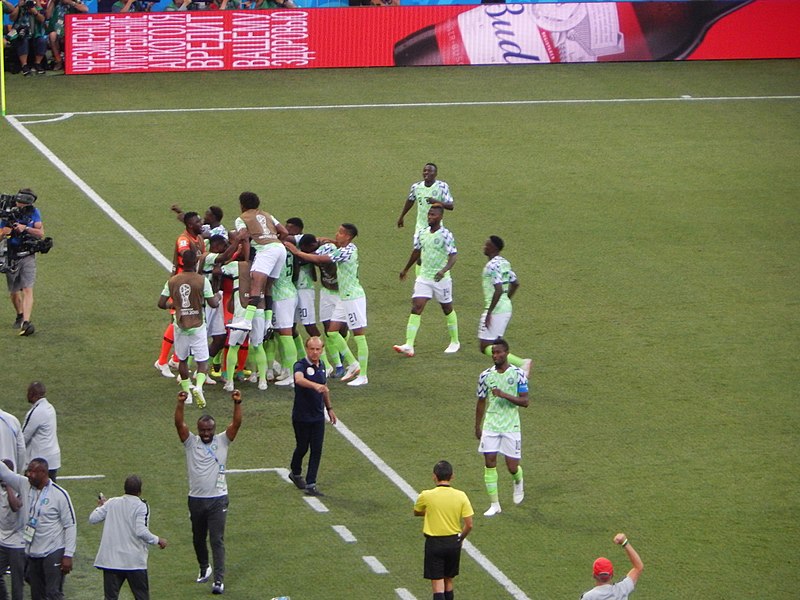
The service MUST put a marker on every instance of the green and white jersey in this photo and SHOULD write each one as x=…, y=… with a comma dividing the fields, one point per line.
x=436, y=247
x=501, y=416
x=439, y=191
x=207, y=268
x=283, y=287
x=497, y=270
x=231, y=269
x=305, y=277
x=346, y=260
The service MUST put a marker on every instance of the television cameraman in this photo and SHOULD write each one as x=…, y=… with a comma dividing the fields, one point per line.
x=25, y=223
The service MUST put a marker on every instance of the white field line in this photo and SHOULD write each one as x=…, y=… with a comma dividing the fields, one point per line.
x=409, y=491
x=404, y=594
x=314, y=107
x=376, y=565
x=382, y=466
x=345, y=533
x=91, y=194
x=79, y=477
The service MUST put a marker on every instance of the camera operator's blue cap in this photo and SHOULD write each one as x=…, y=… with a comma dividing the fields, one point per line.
x=25, y=197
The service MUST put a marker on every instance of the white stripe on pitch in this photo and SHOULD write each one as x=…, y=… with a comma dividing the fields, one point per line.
x=77, y=477
x=315, y=107
x=91, y=194
x=316, y=504
x=376, y=565
x=344, y=533
x=404, y=594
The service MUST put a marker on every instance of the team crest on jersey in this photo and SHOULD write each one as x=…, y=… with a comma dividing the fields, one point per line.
x=511, y=379
x=46, y=501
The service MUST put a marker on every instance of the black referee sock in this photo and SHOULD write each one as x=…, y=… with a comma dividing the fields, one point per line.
x=448, y=595
x=439, y=596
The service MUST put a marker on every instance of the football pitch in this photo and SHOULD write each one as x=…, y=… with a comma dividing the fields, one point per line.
x=652, y=214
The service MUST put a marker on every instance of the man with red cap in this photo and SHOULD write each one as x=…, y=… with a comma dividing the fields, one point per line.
x=604, y=571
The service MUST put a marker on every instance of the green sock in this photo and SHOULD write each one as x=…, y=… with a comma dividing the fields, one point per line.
x=515, y=360
x=288, y=351
x=299, y=347
x=260, y=357
x=517, y=477
x=200, y=379
x=412, y=328
x=332, y=351
x=186, y=385
x=270, y=350
x=363, y=353
x=341, y=347
x=249, y=313
x=452, y=327
x=268, y=316
x=490, y=479
x=230, y=363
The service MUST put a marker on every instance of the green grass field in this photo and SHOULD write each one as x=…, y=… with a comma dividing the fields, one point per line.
x=657, y=244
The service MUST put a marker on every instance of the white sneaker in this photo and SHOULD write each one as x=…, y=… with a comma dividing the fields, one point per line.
x=493, y=510
x=241, y=324
x=209, y=381
x=328, y=371
x=526, y=367
x=164, y=369
x=262, y=384
x=284, y=374
x=286, y=381
x=452, y=348
x=197, y=394
x=172, y=363
x=352, y=370
x=189, y=399
x=519, y=492
x=253, y=377
x=270, y=375
x=228, y=387
x=404, y=349
x=359, y=381
x=204, y=576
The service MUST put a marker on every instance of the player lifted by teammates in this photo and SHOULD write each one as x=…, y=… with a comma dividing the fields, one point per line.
x=436, y=247
x=265, y=234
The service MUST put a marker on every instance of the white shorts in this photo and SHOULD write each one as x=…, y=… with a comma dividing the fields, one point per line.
x=351, y=312
x=215, y=320
x=497, y=326
x=195, y=344
x=270, y=260
x=258, y=330
x=441, y=291
x=507, y=444
x=283, y=313
x=306, y=313
x=327, y=304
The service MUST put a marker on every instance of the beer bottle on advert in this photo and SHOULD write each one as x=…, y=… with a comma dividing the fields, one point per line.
x=564, y=32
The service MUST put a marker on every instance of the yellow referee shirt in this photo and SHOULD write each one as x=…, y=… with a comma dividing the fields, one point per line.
x=444, y=507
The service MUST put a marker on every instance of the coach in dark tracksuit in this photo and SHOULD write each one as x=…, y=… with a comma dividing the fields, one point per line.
x=311, y=400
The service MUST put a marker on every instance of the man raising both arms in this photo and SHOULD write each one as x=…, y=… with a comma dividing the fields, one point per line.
x=502, y=389
x=266, y=234
x=437, y=248
x=423, y=194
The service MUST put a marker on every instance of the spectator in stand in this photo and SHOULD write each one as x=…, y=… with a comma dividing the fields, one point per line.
x=133, y=6
x=28, y=34
x=176, y=5
x=265, y=4
x=55, y=13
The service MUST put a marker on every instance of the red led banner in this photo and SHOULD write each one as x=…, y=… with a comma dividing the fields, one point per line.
x=432, y=35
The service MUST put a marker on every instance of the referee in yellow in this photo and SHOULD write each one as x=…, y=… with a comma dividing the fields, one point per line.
x=448, y=520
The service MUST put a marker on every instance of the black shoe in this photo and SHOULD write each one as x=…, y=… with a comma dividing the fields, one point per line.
x=205, y=574
x=218, y=588
x=18, y=322
x=39, y=67
x=27, y=328
x=26, y=70
x=311, y=490
x=298, y=481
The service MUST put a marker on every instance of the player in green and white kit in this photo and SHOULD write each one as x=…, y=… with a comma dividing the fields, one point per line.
x=284, y=305
x=502, y=389
x=436, y=247
x=499, y=285
x=351, y=309
x=425, y=193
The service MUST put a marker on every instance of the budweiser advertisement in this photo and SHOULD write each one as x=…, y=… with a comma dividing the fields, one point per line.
x=488, y=34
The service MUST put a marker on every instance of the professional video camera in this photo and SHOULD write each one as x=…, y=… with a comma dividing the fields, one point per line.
x=15, y=208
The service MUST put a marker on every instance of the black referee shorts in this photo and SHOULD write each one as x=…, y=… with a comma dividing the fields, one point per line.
x=442, y=556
